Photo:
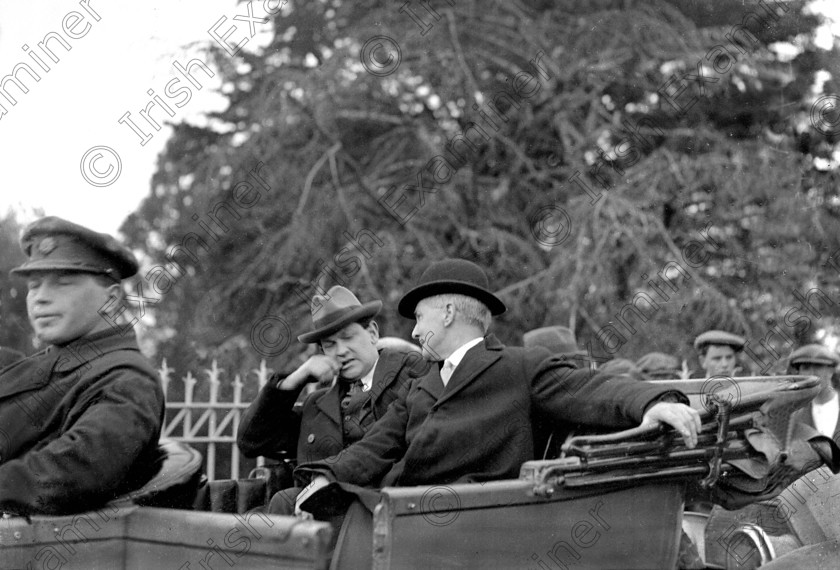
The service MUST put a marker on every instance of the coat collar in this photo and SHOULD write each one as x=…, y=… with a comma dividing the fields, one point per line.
x=330, y=403
x=475, y=361
x=37, y=370
x=387, y=370
x=384, y=375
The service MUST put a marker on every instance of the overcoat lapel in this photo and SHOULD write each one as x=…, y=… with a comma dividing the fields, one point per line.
x=330, y=404
x=384, y=375
x=431, y=382
x=476, y=360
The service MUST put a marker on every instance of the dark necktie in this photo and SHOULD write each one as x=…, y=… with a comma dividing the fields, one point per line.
x=354, y=411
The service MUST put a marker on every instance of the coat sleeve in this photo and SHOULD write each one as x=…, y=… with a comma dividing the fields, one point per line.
x=367, y=461
x=270, y=426
x=114, y=422
x=560, y=390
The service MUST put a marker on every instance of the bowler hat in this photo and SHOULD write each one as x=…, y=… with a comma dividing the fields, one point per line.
x=334, y=311
x=557, y=339
x=719, y=337
x=54, y=244
x=814, y=354
x=449, y=276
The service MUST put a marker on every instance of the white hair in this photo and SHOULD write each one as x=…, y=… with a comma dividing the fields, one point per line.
x=472, y=310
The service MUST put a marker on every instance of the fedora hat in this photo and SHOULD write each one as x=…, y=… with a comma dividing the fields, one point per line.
x=334, y=311
x=557, y=339
x=449, y=276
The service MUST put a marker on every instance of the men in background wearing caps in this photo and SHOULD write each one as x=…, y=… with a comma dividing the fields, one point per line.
x=659, y=366
x=718, y=352
x=824, y=410
x=334, y=417
x=81, y=419
x=473, y=421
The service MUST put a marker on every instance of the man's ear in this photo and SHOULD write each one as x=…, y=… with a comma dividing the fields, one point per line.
x=448, y=314
x=373, y=329
x=116, y=294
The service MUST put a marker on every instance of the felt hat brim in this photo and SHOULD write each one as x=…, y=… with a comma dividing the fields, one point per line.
x=341, y=319
x=409, y=301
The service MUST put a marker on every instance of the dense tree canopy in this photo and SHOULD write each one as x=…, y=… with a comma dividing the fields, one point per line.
x=14, y=329
x=638, y=170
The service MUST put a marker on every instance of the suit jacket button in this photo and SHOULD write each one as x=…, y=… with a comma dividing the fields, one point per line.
x=310, y=438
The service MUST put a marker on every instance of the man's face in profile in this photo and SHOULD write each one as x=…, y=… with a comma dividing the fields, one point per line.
x=719, y=360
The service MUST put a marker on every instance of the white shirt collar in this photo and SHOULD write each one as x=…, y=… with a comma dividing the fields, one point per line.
x=456, y=357
x=825, y=415
x=367, y=379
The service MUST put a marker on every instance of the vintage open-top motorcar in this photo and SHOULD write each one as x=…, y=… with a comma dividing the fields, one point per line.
x=608, y=501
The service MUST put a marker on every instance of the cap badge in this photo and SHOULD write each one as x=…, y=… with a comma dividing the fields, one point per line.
x=47, y=246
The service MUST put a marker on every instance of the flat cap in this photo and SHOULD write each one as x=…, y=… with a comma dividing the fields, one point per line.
x=720, y=337
x=619, y=366
x=658, y=363
x=54, y=244
x=814, y=354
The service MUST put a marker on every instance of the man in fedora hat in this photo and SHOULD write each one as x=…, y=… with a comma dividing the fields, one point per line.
x=718, y=352
x=473, y=422
x=79, y=420
x=824, y=410
x=659, y=366
x=331, y=418
x=558, y=340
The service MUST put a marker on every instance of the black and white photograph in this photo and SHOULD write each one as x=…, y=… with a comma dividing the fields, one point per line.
x=508, y=284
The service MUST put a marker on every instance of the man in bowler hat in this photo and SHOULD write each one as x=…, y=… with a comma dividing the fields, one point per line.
x=473, y=421
x=366, y=382
x=80, y=419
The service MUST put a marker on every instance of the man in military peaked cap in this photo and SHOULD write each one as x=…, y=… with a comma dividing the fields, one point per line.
x=82, y=417
x=718, y=352
x=367, y=381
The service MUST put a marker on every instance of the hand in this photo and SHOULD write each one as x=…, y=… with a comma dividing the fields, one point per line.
x=684, y=419
x=317, y=483
x=317, y=368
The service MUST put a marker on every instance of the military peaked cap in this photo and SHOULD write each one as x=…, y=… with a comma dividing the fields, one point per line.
x=54, y=244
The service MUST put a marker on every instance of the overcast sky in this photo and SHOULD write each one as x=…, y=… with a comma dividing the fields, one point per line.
x=76, y=105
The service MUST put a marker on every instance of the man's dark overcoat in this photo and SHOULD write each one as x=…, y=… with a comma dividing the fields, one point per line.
x=273, y=427
x=480, y=427
x=79, y=425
